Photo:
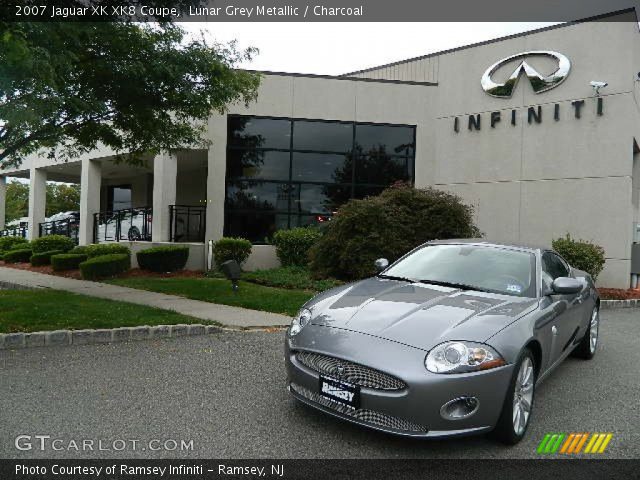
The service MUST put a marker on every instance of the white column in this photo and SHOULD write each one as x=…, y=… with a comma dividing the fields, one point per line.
x=216, y=171
x=37, y=200
x=90, y=182
x=3, y=203
x=165, y=170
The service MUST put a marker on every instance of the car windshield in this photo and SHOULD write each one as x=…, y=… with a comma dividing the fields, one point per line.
x=472, y=267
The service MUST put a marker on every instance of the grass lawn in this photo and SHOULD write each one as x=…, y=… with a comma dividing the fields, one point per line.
x=39, y=310
x=216, y=290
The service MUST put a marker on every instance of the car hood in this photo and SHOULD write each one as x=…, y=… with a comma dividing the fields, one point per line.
x=416, y=314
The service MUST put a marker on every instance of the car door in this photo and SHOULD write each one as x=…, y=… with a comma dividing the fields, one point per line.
x=565, y=324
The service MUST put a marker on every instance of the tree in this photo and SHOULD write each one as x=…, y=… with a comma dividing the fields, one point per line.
x=137, y=88
x=17, y=203
x=61, y=197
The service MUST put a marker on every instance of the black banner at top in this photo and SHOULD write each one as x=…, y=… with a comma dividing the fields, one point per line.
x=316, y=10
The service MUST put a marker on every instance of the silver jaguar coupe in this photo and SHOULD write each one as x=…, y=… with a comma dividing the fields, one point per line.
x=451, y=339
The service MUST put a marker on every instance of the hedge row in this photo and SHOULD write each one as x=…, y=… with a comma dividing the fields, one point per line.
x=67, y=261
x=98, y=249
x=105, y=266
x=163, y=259
x=12, y=243
x=50, y=243
x=22, y=255
x=43, y=258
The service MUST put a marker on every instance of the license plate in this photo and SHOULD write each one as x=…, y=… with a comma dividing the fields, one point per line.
x=341, y=392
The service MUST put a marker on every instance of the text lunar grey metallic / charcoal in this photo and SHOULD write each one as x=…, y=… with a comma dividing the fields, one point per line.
x=349, y=371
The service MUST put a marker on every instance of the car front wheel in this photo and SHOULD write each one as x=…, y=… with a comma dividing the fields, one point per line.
x=518, y=405
x=587, y=347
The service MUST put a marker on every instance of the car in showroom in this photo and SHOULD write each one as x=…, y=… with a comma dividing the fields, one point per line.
x=451, y=339
x=133, y=224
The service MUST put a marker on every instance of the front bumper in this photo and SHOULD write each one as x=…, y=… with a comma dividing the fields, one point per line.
x=412, y=411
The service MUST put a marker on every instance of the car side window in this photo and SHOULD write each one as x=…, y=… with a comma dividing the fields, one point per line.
x=553, y=267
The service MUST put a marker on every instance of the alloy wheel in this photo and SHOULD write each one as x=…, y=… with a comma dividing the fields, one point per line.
x=593, y=331
x=523, y=396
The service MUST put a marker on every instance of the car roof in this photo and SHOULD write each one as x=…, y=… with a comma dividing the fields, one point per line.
x=488, y=243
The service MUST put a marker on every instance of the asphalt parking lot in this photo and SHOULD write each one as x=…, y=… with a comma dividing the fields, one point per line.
x=226, y=394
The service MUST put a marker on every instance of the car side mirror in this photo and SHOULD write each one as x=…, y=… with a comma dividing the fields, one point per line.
x=566, y=285
x=381, y=264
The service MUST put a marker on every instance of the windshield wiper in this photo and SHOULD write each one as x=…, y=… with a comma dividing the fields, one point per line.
x=461, y=286
x=393, y=277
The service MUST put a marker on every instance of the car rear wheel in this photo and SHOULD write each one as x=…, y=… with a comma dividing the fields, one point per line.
x=518, y=405
x=587, y=347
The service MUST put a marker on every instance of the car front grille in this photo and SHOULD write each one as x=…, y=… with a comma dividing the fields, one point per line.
x=371, y=417
x=349, y=372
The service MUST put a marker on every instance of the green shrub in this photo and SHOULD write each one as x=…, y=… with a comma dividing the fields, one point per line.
x=18, y=256
x=105, y=266
x=581, y=254
x=163, y=259
x=67, y=261
x=387, y=226
x=98, y=249
x=43, y=258
x=79, y=250
x=296, y=278
x=9, y=243
x=230, y=248
x=292, y=246
x=52, y=242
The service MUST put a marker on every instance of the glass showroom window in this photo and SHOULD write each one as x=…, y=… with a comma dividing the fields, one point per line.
x=283, y=173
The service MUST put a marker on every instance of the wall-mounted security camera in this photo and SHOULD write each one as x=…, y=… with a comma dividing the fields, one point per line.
x=597, y=86
x=638, y=77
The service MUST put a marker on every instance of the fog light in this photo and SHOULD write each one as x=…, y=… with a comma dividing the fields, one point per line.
x=459, y=408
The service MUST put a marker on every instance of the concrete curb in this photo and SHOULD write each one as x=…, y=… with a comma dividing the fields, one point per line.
x=9, y=341
x=632, y=303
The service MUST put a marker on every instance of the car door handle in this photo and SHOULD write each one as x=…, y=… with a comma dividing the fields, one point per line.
x=554, y=330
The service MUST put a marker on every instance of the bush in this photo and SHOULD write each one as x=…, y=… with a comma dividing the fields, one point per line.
x=230, y=248
x=387, y=226
x=67, y=261
x=43, y=258
x=12, y=243
x=296, y=278
x=292, y=246
x=79, y=250
x=98, y=249
x=581, y=254
x=163, y=259
x=105, y=266
x=52, y=242
x=18, y=255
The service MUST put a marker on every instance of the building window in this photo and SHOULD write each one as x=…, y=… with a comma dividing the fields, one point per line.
x=284, y=173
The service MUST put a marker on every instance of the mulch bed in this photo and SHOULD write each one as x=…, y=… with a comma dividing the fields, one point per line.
x=133, y=273
x=619, y=294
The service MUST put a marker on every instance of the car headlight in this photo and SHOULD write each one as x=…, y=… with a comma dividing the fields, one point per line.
x=459, y=357
x=299, y=321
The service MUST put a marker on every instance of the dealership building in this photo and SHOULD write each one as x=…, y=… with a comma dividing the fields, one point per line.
x=540, y=132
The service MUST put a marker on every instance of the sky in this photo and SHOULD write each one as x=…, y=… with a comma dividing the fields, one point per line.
x=337, y=48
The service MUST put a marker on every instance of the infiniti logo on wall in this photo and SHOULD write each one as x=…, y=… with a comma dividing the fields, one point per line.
x=540, y=83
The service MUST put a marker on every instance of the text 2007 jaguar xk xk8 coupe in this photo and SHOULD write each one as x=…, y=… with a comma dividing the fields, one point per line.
x=449, y=340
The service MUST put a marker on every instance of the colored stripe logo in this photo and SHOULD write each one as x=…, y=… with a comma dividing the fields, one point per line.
x=574, y=443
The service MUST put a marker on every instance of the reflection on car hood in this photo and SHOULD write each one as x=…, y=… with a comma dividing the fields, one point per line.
x=417, y=314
